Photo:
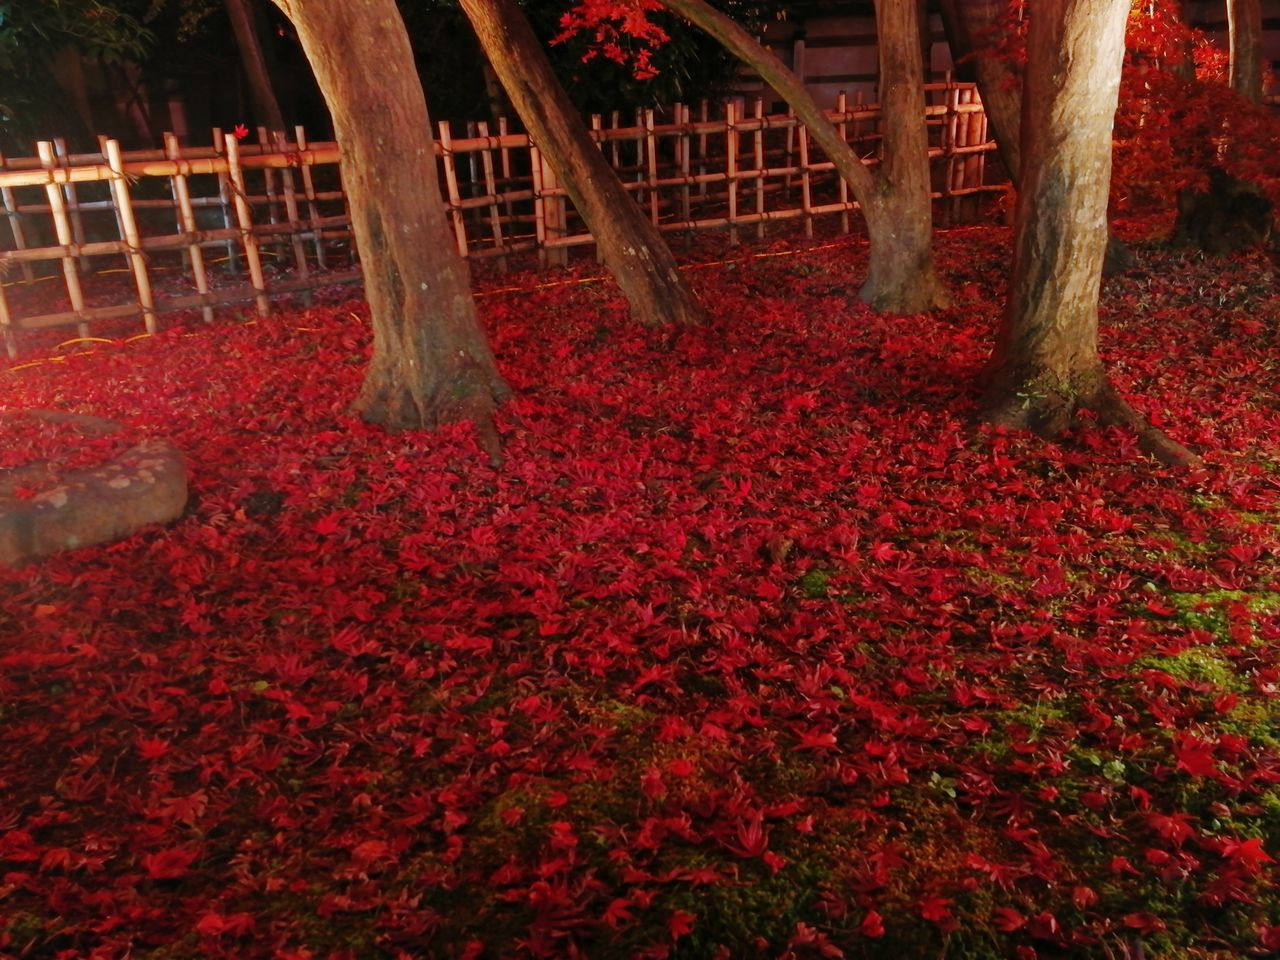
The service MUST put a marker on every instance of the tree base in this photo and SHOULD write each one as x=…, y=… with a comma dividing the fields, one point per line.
x=917, y=293
x=1047, y=412
x=394, y=405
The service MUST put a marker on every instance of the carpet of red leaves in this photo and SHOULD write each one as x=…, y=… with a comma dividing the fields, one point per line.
x=755, y=646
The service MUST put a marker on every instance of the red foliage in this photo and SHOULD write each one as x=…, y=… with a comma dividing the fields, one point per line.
x=751, y=615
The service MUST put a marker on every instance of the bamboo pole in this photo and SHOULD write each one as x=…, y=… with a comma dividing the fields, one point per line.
x=224, y=198
x=806, y=196
x=129, y=226
x=504, y=156
x=13, y=214
x=651, y=166
x=269, y=188
x=842, y=108
x=293, y=216
x=248, y=241
x=309, y=191
x=445, y=139
x=760, y=167
x=685, y=157
x=731, y=166
x=704, y=115
x=491, y=194
x=187, y=225
x=62, y=228
x=536, y=167
x=6, y=324
x=70, y=193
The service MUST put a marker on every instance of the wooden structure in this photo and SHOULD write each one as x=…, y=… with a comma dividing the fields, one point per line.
x=202, y=227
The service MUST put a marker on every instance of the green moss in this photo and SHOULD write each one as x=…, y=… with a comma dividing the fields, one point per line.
x=1208, y=611
x=1200, y=664
x=813, y=584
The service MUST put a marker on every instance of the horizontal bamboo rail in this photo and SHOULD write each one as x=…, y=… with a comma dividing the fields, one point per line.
x=248, y=222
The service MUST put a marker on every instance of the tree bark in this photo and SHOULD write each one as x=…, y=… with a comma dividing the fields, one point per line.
x=431, y=363
x=1244, y=21
x=629, y=243
x=901, y=276
x=1045, y=365
x=972, y=28
x=974, y=32
x=265, y=104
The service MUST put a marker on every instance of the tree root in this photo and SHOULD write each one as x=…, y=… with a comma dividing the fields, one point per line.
x=1114, y=410
x=1048, y=415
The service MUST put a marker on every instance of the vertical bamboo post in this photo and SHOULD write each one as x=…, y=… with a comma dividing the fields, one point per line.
x=244, y=218
x=187, y=224
x=309, y=191
x=789, y=150
x=224, y=199
x=294, y=217
x=704, y=116
x=473, y=161
x=13, y=214
x=651, y=165
x=554, y=218
x=597, y=133
x=272, y=193
x=130, y=235
x=685, y=154
x=504, y=157
x=6, y=325
x=806, y=196
x=637, y=124
x=951, y=131
x=491, y=193
x=842, y=108
x=539, y=206
x=445, y=139
x=615, y=147
x=62, y=228
x=69, y=191
x=103, y=140
x=731, y=165
x=760, y=166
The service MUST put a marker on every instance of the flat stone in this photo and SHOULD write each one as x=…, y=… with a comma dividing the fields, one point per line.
x=145, y=484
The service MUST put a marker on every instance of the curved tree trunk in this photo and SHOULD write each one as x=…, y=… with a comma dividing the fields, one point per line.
x=1244, y=21
x=629, y=244
x=1045, y=365
x=265, y=104
x=888, y=287
x=431, y=363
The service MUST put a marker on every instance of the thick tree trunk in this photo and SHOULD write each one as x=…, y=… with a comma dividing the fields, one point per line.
x=974, y=32
x=1244, y=20
x=901, y=277
x=629, y=244
x=261, y=90
x=897, y=244
x=431, y=363
x=1045, y=365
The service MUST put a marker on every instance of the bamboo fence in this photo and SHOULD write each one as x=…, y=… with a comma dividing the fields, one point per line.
x=201, y=227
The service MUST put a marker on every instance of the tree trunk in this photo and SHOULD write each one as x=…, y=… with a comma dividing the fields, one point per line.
x=1244, y=20
x=629, y=244
x=974, y=32
x=431, y=363
x=972, y=28
x=1045, y=365
x=263, y=93
x=901, y=276
x=890, y=284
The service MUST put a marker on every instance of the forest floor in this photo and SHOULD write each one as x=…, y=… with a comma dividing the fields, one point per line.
x=756, y=646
